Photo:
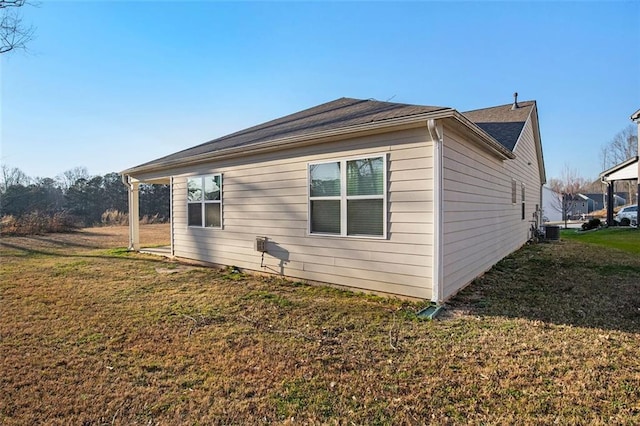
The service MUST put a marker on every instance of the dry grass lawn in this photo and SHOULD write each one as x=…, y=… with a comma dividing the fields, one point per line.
x=93, y=335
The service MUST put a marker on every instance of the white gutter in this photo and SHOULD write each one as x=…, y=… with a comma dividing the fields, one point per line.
x=438, y=255
x=413, y=121
x=173, y=253
x=417, y=120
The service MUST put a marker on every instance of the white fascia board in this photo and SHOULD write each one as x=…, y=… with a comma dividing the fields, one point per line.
x=312, y=138
x=626, y=170
x=629, y=172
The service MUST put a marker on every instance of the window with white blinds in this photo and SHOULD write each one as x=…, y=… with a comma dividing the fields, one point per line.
x=348, y=197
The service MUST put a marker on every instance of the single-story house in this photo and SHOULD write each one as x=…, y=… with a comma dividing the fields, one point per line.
x=375, y=196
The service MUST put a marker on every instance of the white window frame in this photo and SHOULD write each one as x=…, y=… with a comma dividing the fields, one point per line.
x=204, y=202
x=343, y=197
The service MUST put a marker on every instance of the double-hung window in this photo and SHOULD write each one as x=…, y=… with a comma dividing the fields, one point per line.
x=204, y=201
x=348, y=197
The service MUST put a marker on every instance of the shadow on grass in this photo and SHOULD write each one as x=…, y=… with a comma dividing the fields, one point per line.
x=565, y=283
x=61, y=243
x=117, y=253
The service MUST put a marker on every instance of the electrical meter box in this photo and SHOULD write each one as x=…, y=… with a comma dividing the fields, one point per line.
x=261, y=244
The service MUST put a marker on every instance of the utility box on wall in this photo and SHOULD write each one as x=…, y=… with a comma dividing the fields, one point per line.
x=261, y=244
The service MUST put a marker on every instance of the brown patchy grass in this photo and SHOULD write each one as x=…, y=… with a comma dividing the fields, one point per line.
x=93, y=335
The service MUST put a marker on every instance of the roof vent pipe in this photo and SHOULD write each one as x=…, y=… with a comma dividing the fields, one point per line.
x=515, y=101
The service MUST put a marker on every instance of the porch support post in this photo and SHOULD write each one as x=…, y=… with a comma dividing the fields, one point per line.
x=134, y=217
x=610, y=203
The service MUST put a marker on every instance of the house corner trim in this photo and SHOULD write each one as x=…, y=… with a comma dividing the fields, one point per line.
x=436, y=133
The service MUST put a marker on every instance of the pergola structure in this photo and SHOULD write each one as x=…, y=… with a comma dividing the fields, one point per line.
x=625, y=171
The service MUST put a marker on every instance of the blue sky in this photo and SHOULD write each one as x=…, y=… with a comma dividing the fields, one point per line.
x=109, y=85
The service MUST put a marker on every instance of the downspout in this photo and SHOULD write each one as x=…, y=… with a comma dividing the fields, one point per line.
x=171, y=214
x=638, y=186
x=540, y=211
x=438, y=255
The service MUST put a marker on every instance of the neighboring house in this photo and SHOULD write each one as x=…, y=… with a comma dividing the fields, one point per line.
x=577, y=206
x=598, y=201
x=551, y=205
x=376, y=196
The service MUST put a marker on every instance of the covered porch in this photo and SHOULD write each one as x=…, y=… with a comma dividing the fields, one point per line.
x=133, y=188
x=626, y=171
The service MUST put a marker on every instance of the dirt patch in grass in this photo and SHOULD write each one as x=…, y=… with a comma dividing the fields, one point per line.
x=92, y=335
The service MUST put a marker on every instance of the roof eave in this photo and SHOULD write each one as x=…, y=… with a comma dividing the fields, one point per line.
x=618, y=167
x=538, y=138
x=417, y=120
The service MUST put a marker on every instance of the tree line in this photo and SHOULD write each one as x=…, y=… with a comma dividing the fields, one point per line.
x=81, y=198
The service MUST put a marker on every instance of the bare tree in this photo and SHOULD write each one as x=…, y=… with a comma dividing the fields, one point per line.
x=14, y=34
x=568, y=186
x=69, y=178
x=10, y=176
x=622, y=147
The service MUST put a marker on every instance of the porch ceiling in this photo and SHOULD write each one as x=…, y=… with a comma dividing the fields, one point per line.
x=624, y=171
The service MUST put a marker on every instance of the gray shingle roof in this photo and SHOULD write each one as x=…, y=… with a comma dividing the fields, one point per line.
x=343, y=112
x=502, y=122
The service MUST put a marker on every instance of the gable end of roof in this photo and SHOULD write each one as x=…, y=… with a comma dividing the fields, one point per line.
x=503, y=122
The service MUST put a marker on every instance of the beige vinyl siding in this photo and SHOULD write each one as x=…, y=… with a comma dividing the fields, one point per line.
x=266, y=195
x=481, y=225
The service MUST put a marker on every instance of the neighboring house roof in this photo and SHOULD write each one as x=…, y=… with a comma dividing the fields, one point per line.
x=503, y=122
x=597, y=196
x=347, y=116
x=636, y=115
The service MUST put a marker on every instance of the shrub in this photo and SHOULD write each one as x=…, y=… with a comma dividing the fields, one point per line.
x=37, y=223
x=592, y=224
x=114, y=217
x=156, y=218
